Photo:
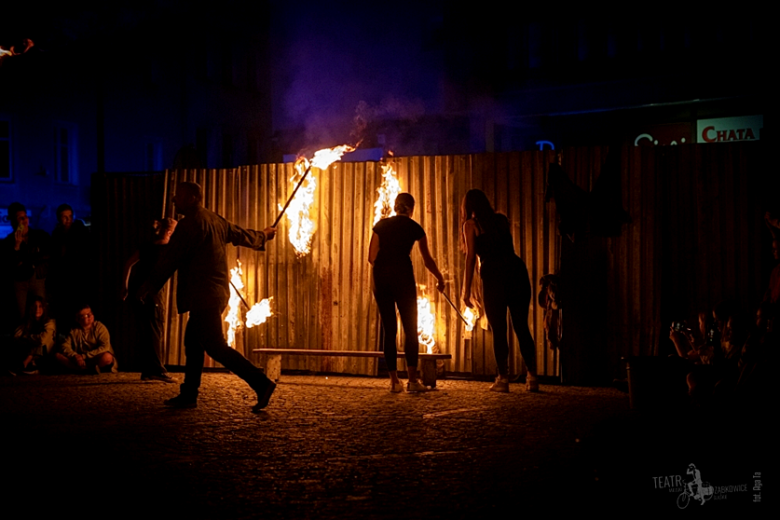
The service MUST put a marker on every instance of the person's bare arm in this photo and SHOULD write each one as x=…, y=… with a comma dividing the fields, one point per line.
x=373, y=248
x=430, y=263
x=469, y=235
x=682, y=345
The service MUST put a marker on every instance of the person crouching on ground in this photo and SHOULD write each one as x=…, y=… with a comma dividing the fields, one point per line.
x=33, y=339
x=88, y=346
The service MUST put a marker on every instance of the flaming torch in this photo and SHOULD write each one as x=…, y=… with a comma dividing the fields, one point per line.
x=469, y=316
x=426, y=322
x=28, y=44
x=388, y=191
x=259, y=313
x=302, y=227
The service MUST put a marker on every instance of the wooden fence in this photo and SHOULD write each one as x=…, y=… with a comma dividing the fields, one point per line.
x=615, y=304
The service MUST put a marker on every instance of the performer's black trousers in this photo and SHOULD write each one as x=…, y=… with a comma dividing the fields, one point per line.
x=505, y=285
x=149, y=318
x=204, y=334
x=390, y=291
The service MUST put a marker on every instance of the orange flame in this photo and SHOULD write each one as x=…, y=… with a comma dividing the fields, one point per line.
x=233, y=317
x=259, y=313
x=426, y=322
x=471, y=317
x=388, y=191
x=302, y=227
x=28, y=44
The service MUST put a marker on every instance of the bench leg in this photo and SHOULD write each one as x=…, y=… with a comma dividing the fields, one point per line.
x=428, y=372
x=273, y=366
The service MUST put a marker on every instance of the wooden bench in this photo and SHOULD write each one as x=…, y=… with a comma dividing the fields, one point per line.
x=273, y=364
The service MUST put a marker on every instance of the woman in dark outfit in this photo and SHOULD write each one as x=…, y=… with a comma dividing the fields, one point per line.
x=394, y=285
x=505, y=284
x=150, y=313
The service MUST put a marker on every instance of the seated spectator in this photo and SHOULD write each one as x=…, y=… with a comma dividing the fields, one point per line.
x=88, y=346
x=33, y=339
x=755, y=381
x=713, y=357
x=696, y=349
x=25, y=254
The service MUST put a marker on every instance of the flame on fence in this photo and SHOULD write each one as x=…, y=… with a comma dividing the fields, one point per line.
x=388, y=191
x=426, y=322
x=258, y=314
x=233, y=317
x=302, y=226
x=28, y=44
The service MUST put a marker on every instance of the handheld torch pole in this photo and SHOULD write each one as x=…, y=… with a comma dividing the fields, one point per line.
x=300, y=182
x=456, y=309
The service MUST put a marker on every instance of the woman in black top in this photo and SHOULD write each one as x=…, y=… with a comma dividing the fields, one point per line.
x=149, y=314
x=394, y=285
x=505, y=283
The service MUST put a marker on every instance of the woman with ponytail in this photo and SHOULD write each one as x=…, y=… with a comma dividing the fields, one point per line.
x=394, y=285
x=505, y=284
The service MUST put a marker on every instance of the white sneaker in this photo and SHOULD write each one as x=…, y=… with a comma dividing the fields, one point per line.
x=501, y=385
x=416, y=386
x=397, y=388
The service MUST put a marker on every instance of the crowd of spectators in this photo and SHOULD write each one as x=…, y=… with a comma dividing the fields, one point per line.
x=725, y=359
x=47, y=324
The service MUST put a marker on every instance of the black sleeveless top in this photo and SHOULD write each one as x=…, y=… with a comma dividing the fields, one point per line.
x=494, y=243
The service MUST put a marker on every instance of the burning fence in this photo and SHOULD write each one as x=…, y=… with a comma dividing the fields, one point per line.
x=388, y=191
x=325, y=296
x=302, y=226
x=426, y=322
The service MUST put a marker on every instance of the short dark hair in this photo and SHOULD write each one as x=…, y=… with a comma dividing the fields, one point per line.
x=14, y=208
x=63, y=207
x=403, y=202
x=192, y=188
x=80, y=307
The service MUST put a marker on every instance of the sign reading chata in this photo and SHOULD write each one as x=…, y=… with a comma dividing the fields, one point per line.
x=724, y=129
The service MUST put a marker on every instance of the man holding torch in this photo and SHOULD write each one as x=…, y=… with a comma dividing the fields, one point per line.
x=197, y=251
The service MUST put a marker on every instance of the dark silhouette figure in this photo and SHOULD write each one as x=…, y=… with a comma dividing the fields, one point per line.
x=505, y=283
x=197, y=252
x=394, y=285
x=149, y=314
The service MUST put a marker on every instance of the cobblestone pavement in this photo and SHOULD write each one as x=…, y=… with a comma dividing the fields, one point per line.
x=327, y=447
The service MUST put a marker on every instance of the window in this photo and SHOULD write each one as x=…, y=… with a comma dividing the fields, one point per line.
x=5, y=150
x=65, y=153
